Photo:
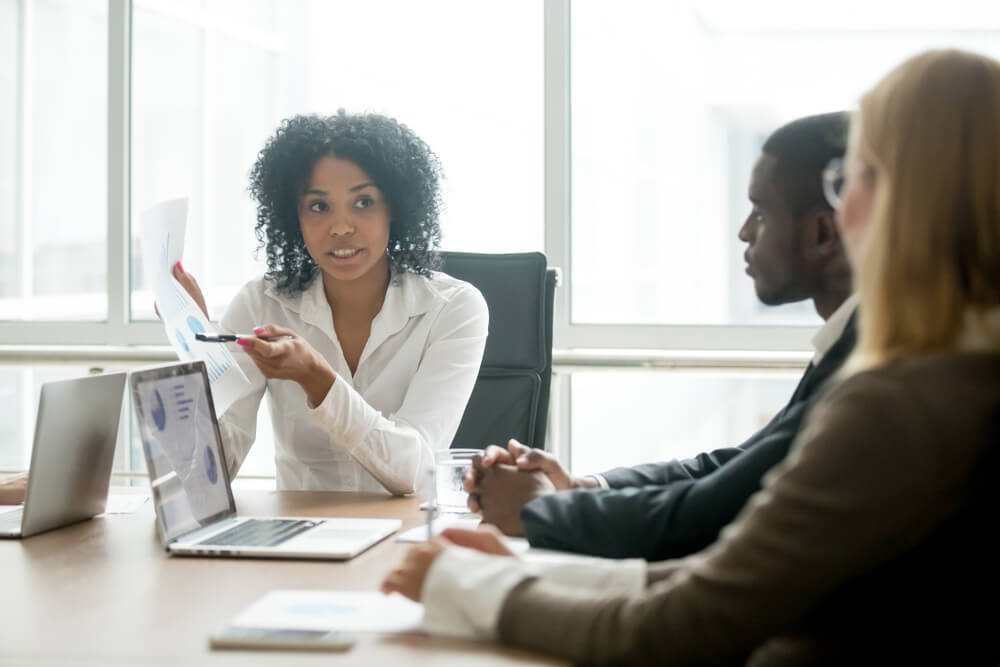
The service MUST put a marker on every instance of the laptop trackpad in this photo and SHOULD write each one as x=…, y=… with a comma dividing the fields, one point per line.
x=341, y=535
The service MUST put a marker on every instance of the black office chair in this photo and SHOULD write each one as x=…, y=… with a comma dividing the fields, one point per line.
x=511, y=395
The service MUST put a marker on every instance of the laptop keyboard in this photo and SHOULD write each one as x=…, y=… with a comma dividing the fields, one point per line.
x=260, y=533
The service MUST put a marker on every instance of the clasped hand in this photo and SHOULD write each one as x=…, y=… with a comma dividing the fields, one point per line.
x=503, y=481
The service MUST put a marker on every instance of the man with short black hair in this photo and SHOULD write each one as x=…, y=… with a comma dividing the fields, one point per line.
x=666, y=510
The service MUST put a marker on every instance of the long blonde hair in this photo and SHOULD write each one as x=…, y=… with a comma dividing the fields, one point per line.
x=930, y=131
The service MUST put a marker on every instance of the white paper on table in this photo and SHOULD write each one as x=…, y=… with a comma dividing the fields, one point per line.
x=163, y=229
x=419, y=533
x=448, y=511
x=9, y=508
x=331, y=610
x=121, y=503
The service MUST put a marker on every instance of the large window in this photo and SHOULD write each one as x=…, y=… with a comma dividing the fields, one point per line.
x=53, y=130
x=210, y=85
x=618, y=137
x=626, y=418
x=670, y=103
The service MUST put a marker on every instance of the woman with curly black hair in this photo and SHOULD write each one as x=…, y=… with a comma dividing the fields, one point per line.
x=368, y=355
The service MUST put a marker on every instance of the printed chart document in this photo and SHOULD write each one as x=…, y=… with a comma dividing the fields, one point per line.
x=163, y=229
x=291, y=611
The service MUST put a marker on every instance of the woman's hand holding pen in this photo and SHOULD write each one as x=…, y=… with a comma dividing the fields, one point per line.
x=289, y=357
x=284, y=356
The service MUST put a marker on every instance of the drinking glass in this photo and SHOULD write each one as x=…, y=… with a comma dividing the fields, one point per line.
x=450, y=467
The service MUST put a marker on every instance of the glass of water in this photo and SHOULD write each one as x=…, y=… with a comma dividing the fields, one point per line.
x=451, y=466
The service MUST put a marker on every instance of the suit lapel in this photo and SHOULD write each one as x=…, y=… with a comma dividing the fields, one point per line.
x=831, y=362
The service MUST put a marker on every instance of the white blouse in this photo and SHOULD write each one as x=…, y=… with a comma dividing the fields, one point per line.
x=376, y=430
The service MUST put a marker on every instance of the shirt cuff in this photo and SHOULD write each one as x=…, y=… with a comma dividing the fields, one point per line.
x=465, y=591
x=601, y=482
x=345, y=415
x=620, y=576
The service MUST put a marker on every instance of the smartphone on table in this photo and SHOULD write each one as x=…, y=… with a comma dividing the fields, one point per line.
x=234, y=637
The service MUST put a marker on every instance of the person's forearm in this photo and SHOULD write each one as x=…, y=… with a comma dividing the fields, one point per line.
x=316, y=384
x=12, y=489
x=668, y=472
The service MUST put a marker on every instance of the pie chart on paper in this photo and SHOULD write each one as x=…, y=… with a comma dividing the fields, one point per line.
x=181, y=340
x=195, y=325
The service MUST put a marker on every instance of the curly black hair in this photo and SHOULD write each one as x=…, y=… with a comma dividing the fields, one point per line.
x=403, y=167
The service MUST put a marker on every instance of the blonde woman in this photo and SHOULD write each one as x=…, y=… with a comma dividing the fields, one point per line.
x=872, y=543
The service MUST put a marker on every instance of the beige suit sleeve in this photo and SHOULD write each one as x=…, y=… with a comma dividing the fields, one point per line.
x=853, y=492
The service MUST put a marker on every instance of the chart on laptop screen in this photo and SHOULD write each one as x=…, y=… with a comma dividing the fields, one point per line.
x=186, y=463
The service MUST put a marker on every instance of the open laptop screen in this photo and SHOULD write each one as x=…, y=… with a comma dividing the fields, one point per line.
x=187, y=471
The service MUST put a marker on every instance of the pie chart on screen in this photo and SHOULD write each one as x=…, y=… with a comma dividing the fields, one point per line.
x=159, y=412
x=211, y=468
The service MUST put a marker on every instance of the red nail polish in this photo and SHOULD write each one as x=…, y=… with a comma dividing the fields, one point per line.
x=258, y=330
x=242, y=341
x=180, y=268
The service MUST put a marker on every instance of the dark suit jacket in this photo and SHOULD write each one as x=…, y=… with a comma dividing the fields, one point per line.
x=666, y=510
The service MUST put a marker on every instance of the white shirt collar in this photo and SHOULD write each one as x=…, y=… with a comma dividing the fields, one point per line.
x=408, y=295
x=833, y=328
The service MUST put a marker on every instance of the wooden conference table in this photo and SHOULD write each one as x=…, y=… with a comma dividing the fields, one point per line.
x=103, y=592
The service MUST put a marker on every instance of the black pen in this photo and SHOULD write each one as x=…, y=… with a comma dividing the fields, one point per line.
x=231, y=338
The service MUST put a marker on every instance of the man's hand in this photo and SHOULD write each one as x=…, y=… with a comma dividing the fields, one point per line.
x=408, y=577
x=524, y=458
x=502, y=490
x=12, y=489
x=290, y=357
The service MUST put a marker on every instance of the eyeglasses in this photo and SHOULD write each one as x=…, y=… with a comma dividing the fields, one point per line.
x=833, y=182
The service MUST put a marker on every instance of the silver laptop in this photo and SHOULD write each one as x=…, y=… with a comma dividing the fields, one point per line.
x=75, y=433
x=190, y=481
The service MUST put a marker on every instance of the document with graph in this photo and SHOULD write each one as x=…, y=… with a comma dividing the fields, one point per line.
x=163, y=228
x=324, y=610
